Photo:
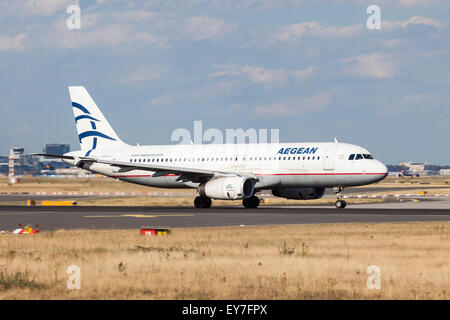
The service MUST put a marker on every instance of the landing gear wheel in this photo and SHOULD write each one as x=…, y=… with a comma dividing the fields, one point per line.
x=252, y=202
x=202, y=202
x=340, y=204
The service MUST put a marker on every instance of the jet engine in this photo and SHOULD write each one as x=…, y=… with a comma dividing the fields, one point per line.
x=227, y=188
x=299, y=193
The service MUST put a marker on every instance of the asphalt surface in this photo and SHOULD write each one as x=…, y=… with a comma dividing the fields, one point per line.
x=329, y=191
x=53, y=218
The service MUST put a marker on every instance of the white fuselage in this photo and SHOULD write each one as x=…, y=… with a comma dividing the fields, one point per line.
x=276, y=165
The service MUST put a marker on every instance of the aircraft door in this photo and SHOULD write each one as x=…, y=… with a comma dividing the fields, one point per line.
x=329, y=158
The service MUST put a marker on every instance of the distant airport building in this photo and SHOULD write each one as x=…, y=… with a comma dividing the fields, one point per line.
x=49, y=164
x=56, y=148
x=444, y=172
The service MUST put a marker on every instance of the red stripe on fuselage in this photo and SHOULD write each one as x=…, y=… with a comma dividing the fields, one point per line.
x=271, y=174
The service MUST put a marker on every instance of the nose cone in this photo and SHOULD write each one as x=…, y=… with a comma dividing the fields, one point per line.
x=380, y=170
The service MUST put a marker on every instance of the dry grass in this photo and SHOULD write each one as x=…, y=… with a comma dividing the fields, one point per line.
x=42, y=184
x=282, y=262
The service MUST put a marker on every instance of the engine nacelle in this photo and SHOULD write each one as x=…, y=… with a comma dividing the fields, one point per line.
x=227, y=188
x=299, y=193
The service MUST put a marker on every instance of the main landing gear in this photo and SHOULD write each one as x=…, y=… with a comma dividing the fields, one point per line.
x=202, y=202
x=340, y=204
x=252, y=202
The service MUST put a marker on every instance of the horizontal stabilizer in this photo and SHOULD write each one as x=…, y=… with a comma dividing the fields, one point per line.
x=53, y=156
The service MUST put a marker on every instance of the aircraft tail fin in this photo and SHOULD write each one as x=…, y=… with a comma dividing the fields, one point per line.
x=94, y=131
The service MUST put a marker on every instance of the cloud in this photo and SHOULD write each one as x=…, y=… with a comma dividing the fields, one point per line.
x=36, y=7
x=263, y=75
x=199, y=95
x=295, y=32
x=138, y=76
x=414, y=20
x=133, y=15
x=161, y=101
x=295, y=106
x=411, y=3
x=100, y=36
x=12, y=43
x=307, y=73
x=203, y=28
x=374, y=65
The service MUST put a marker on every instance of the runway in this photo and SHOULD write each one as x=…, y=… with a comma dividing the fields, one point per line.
x=53, y=218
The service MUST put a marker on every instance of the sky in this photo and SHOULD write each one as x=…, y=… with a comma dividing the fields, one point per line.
x=310, y=68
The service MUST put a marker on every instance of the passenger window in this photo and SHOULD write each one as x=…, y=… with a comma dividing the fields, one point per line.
x=318, y=158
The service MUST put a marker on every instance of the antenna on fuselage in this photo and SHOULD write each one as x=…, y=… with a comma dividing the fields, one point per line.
x=335, y=140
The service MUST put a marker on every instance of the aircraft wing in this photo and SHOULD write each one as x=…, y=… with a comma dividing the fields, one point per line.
x=185, y=173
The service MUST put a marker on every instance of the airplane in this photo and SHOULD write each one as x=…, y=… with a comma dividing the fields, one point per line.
x=406, y=172
x=300, y=170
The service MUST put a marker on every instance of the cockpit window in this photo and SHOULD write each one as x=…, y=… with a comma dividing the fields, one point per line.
x=360, y=156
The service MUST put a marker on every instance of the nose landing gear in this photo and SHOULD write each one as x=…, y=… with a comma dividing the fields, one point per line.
x=340, y=204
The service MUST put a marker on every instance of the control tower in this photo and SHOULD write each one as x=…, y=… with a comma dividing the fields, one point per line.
x=14, y=154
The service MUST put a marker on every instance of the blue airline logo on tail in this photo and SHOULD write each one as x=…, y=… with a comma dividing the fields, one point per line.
x=94, y=133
